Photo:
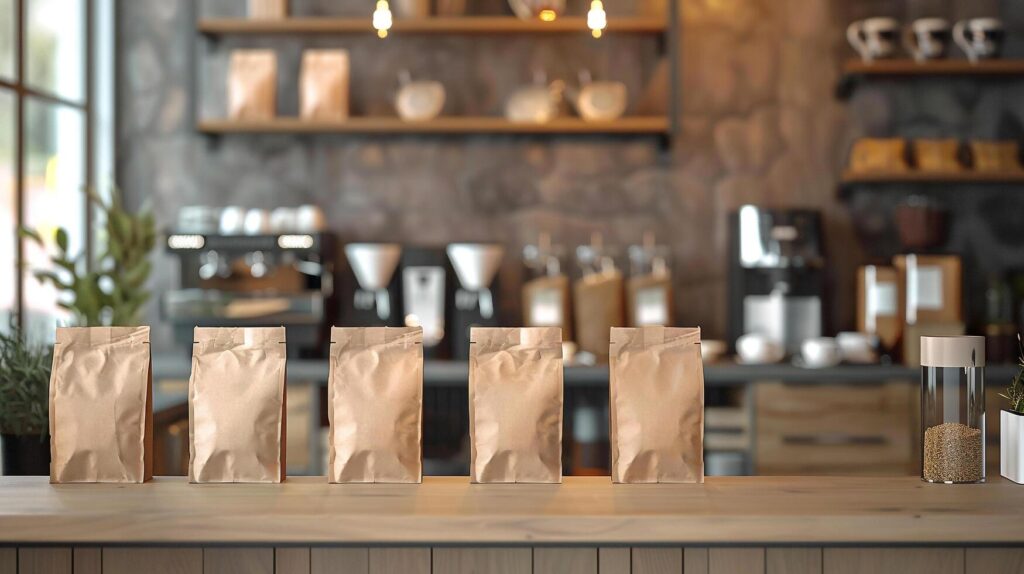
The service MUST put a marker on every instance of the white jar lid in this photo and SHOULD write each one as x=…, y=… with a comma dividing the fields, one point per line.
x=952, y=351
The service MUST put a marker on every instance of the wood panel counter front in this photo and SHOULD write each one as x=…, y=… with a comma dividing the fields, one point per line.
x=449, y=525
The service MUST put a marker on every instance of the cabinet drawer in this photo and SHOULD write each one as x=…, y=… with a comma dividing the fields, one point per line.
x=835, y=429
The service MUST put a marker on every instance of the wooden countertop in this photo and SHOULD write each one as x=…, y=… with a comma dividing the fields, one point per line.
x=450, y=510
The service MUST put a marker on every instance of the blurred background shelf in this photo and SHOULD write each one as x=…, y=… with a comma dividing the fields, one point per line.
x=856, y=71
x=472, y=25
x=656, y=125
x=850, y=180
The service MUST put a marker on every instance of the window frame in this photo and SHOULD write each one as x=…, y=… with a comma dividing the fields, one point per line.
x=22, y=92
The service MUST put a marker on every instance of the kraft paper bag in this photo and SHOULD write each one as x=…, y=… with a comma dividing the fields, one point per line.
x=268, y=9
x=323, y=92
x=515, y=404
x=656, y=405
x=236, y=405
x=252, y=85
x=101, y=405
x=375, y=404
x=598, y=298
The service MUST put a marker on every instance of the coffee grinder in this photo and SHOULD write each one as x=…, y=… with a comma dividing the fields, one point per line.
x=776, y=282
x=476, y=266
x=375, y=301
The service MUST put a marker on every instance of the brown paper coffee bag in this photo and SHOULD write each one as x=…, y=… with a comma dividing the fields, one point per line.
x=268, y=9
x=599, y=307
x=323, y=92
x=515, y=404
x=657, y=405
x=375, y=404
x=236, y=405
x=101, y=405
x=252, y=85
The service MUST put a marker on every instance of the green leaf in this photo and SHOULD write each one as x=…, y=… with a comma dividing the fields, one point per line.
x=62, y=239
x=26, y=233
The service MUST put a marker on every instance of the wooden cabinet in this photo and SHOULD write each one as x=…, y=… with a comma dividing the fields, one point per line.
x=841, y=429
x=517, y=560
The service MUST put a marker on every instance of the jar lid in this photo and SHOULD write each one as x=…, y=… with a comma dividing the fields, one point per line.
x=952, y=351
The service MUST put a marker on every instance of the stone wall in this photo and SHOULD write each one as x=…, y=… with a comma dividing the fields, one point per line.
x=758, y=123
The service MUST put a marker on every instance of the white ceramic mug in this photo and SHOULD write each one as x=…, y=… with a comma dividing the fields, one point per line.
x=257, y=222
x=309, y=219
x=232, y=220
x=874, y=38
x=927, y=39
x=755, y=348
x=856, y=347
x=820, y=352
x=979, y=38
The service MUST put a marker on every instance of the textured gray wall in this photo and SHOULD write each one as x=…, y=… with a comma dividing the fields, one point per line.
x=759, y=124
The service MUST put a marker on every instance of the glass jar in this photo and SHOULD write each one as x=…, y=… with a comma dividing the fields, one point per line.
x=953, y=409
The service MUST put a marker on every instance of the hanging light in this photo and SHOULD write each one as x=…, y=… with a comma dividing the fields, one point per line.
x=596, y=18
x=382, y=18
x=547, y=15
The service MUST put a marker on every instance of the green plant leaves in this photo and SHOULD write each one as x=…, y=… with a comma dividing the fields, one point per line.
x=123, y=264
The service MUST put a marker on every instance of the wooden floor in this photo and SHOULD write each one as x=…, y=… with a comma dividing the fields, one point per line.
x=589, y=511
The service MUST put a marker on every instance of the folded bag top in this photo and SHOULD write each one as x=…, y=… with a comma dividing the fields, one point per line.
x=656, y=402
x=375, y=404
x=515, y=403
x=101, y=425
x=237, y=405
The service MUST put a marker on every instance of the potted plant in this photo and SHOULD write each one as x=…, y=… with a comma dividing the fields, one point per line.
x=1011, y=426
x=24, y=402
x=112, y=291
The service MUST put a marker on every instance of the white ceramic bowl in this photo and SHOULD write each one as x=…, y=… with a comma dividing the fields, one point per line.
x=855, y=347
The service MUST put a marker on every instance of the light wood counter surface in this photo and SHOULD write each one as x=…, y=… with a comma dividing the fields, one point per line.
x=450, y=510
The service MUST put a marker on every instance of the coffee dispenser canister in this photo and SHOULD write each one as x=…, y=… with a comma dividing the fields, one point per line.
x=475, y=303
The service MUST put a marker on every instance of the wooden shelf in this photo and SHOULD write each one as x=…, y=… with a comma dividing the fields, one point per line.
x=436, y=25
x=935, y=68
x=912, y=176
x=856, y=71
x=851, y=180
x=656, y=125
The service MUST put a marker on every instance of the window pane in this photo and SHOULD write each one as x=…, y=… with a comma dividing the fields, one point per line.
x=56, y=47
x=54, y=197
x=8, y=277
x=7, y=40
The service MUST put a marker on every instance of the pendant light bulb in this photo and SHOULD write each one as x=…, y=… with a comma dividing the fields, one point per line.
x=597, y=20
x=382, y=18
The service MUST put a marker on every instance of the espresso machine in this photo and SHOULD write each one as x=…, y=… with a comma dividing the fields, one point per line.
x=776, y=278
x=476, y=266
x=254, y=280
x=374, y=301
x=426, y=289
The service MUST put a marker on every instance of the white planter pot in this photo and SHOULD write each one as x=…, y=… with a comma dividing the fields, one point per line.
x=1011, y=446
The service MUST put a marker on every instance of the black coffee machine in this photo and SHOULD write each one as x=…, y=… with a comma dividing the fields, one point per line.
x=426, y=289
x=475, y=298
x=776, y=275
x=254, y=280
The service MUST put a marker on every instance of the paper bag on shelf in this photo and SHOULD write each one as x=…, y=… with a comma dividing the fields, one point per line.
x=324, y=85
x=252, y=85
